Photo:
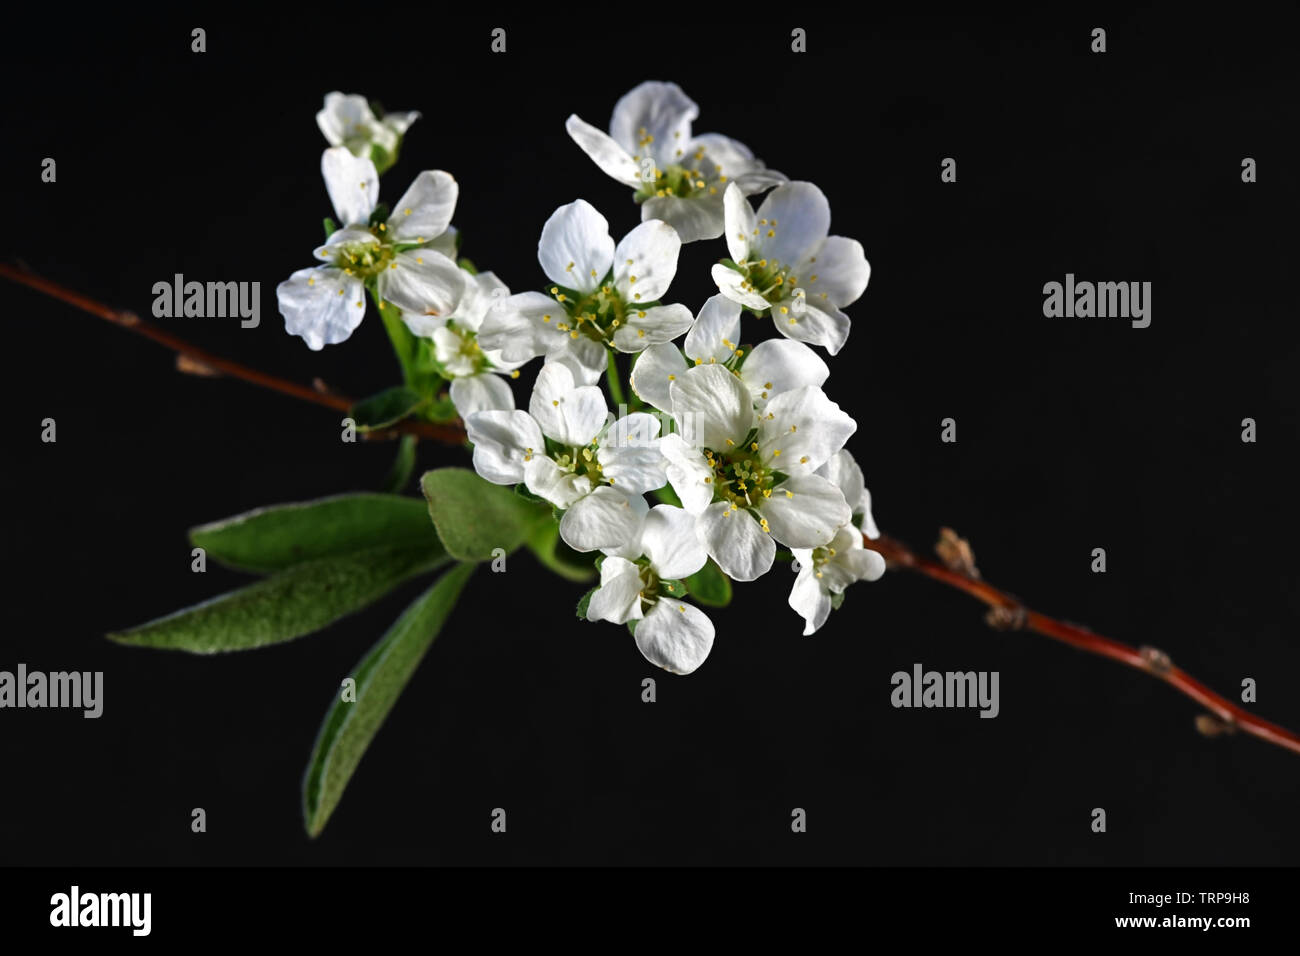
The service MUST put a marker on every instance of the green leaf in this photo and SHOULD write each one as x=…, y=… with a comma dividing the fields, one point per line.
x=279, y=536
x=403, y=465
x=474, y=517
x=331, y=227
x=386, y=408
x=553, y=553
x=584, y=601
x=380, y=677
x=288, y=604
x=710, y=586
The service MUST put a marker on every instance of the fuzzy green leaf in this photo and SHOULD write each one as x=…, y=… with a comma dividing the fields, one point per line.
x=475, y=517
x=553, y=553
x=297, y=601
x=380, y=678
x=279, y=536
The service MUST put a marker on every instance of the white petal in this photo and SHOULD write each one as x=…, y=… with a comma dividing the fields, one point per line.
x=712, y=407
x=653, y=326
x=653, y=109
x=863, y=564
x=668, y=539
x=675, y=636
x=323, y=305
x=480, y=393
x=546, y=479
x=423, y=283
x=576, y=249
x=780, y=365
x=353, y=185
x=841, y=269
x=449, y=350
x=570, y=414
x=867, y=524
x=635, y=430
x=612, y=158
x=522, y=326
x=646, y=261
x=345, y=117
x=758, y=180
x=806, y=427
x=735, y=540
x=716, y=332
x=618, y=599
x=425, y=210
x=635, y=469
x=655, y=368
x=399, y=123
x=482, y=293
x=688, y=473
x=804, y=511
x=812, y=319
x=694, y=218
x=503, y=440
x=798, y=216
x=732, y=284
x=740, y=223
x=808, y=598
x=603, y=519
x=584, y=358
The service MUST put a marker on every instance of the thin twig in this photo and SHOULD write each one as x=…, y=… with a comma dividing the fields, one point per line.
x=192, y=359
x=1005, y=611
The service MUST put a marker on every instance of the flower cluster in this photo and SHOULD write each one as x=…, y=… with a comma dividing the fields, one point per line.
x=737, y=442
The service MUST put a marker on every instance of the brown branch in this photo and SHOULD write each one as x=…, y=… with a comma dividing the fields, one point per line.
x=194, y=360
x=959, y=571
x=1006, y=611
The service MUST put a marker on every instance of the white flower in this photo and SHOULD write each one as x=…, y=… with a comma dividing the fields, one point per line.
x=600, y=296
x=787, y=263
x=679, y=178
x=566, y=449
x=638, y=584
x=325, y=304
x=825, y=572
x=347, y=120
x=843, y=470
x=749, y=478
x=767, y=370
x=475, y=373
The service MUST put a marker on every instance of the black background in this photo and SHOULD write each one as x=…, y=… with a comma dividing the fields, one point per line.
x=1073, y=434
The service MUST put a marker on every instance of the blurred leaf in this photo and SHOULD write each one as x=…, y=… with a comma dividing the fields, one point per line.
x=380, y=677
x=474, y=516
x=710, y=586
x=386, y=408
x=403, y=465
x=553, y=553
x=288, y=604
x=279, y=536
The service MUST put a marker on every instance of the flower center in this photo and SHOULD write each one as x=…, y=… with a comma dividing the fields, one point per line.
x=740, y=476
x=364, y=259
x=597, y=315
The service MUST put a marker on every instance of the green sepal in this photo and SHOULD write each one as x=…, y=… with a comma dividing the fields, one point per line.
x=549, y=548
x=584, y=602
x=468, y=266
x=673, y=587
x=380, y=214
x=331, y=227
x=710, y=586
x=836, y=600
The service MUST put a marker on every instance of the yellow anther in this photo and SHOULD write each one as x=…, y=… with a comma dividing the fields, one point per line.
x=311, y=281
x=730, y=442
x=777, y=453
x=789, y=494
x=641, y=314
x=794, y=428
x=753, y=446
x=672, y=378
x=515, y=373
x=784, y=310
x=569, y=267
x=546, y=318
x=771, y=233
x=803, y=460
x=407, y=212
